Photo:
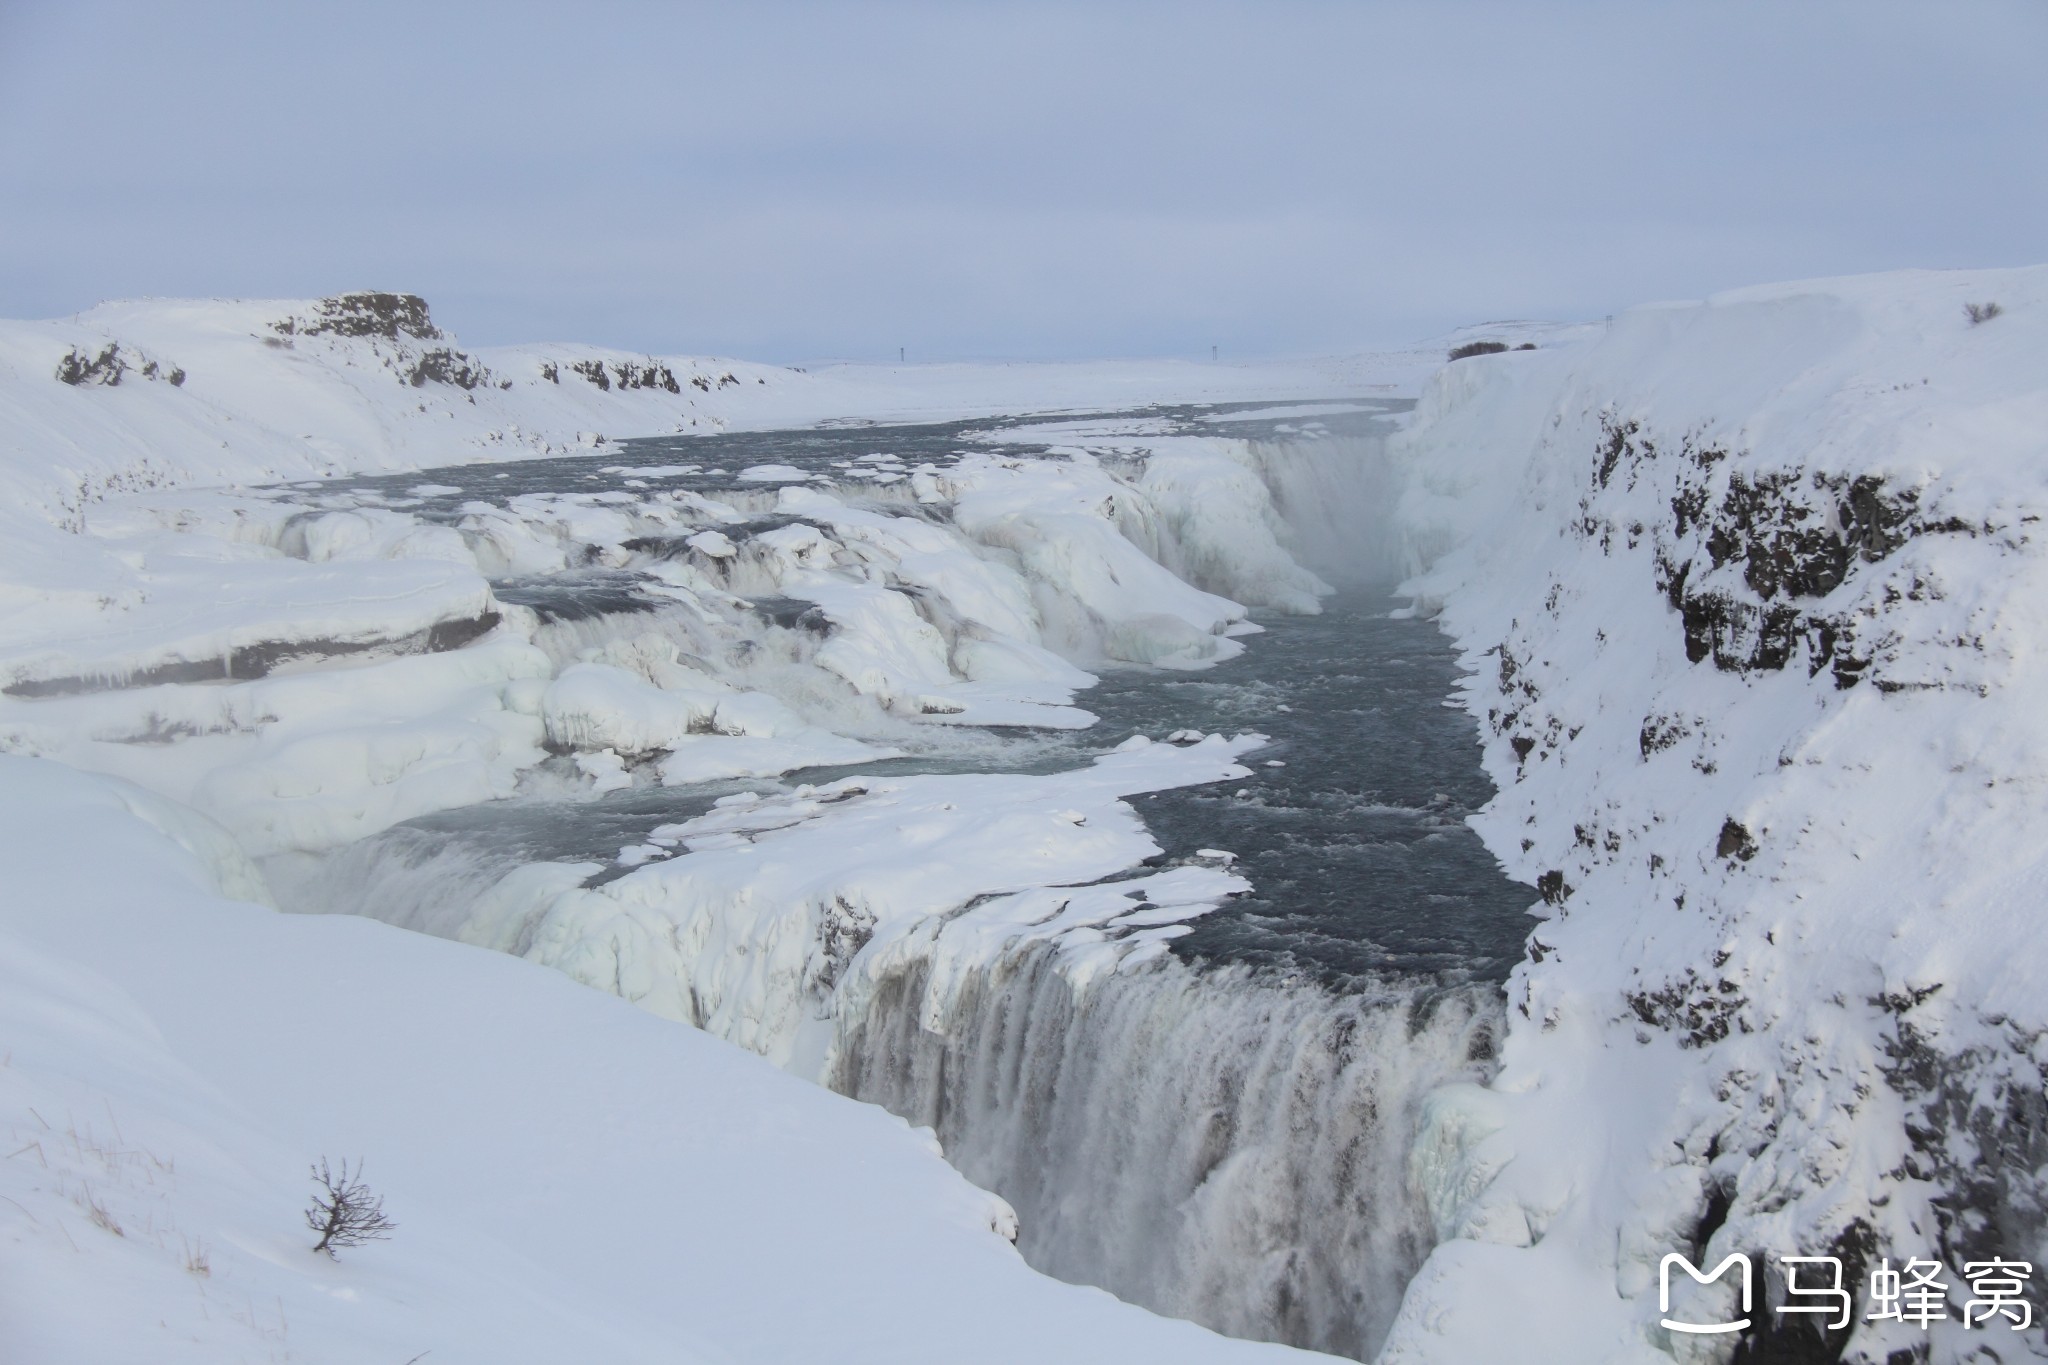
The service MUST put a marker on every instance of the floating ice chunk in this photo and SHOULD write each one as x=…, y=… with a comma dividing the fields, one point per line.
x=1131, y=745
x=1184, y=737
x=1168, y=642
x=773, y=473
x=1216, y=855
x=713, y=543
x=606, y=770
x=756, y=713
x=716, y=758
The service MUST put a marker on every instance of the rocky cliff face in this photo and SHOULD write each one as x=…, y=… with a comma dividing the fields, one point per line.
x=393, y=326
x=1753, y=595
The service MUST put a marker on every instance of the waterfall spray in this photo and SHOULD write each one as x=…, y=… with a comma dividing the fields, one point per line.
x=1218, y=1145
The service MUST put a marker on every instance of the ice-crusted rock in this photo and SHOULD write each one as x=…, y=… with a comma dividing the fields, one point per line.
x=1753, y=591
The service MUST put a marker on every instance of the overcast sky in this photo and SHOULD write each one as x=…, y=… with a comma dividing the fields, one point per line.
x=985, y=179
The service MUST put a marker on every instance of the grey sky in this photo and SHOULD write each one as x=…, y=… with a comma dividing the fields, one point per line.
x=987, y=179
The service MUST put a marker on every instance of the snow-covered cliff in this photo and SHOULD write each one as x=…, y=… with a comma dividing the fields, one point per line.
x=1753, y=591
x=1750, y=592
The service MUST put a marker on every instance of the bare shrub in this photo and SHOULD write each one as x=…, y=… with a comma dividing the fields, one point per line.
x=1981, y=312
x=97, y=1212
x=1472, y=348
x=349, y=1215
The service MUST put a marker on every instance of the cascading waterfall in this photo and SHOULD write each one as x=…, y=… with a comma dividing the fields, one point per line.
x=1215, y=1140
x=1213, y=1144
x=1337, y=495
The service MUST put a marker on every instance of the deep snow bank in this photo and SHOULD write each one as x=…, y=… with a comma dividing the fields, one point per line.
x=309, y=667
x=1754, y=594
x=572, y=1179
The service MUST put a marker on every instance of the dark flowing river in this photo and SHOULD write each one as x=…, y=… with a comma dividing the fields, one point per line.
x=1223, y=1137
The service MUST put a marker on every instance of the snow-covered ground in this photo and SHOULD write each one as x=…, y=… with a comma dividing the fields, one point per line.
x=1748, y=588
x=572, y=1179
x=1753, y=595
x=222, y=672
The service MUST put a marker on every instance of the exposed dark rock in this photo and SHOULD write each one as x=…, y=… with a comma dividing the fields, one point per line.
x=105, y=368
x=255, y=660
x=622, y=374
x=1790, y=537
x=1696, y=1011
x=441, y=365
x=1660, y=733
x=631, y=375
x=108, y=366
x=1735, y=842
x=1977, y=1126
x=1806, y=1338
x=367, y=313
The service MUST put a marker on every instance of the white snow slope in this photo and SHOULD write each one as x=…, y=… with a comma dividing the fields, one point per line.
x=1755, y=598
x=1750, y=590
x=572, y=1179
x=222, y=674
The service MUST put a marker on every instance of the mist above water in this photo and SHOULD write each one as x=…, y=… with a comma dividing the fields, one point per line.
x=1222, y=1134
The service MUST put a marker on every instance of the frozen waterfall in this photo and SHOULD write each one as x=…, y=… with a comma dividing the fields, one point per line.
x=1197, y=1081
x=1215, y=1145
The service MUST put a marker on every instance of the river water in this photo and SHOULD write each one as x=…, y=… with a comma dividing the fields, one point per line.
x=1222, y=1137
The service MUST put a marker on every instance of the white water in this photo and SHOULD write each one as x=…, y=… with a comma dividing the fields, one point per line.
x=1337, y=496
x=1218, y=1144
x=1214, y=1145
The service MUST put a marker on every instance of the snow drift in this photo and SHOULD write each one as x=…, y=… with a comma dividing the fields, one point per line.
x=571, y=1178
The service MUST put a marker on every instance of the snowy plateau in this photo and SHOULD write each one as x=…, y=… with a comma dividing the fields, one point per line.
x=478, y=764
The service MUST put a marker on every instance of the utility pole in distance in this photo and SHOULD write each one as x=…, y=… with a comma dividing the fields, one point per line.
x=899, y=355
x=1212, y=353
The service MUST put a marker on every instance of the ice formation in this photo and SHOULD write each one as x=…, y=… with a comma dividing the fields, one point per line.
x=281, y=673
x=1748, y=592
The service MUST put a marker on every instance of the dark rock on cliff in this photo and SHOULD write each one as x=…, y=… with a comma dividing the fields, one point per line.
x=366, y=314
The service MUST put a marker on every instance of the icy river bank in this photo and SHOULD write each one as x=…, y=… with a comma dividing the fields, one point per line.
x=1192, y=1061
x=908, y=759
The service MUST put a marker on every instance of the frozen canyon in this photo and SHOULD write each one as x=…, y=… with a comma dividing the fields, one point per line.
x=889, y=747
